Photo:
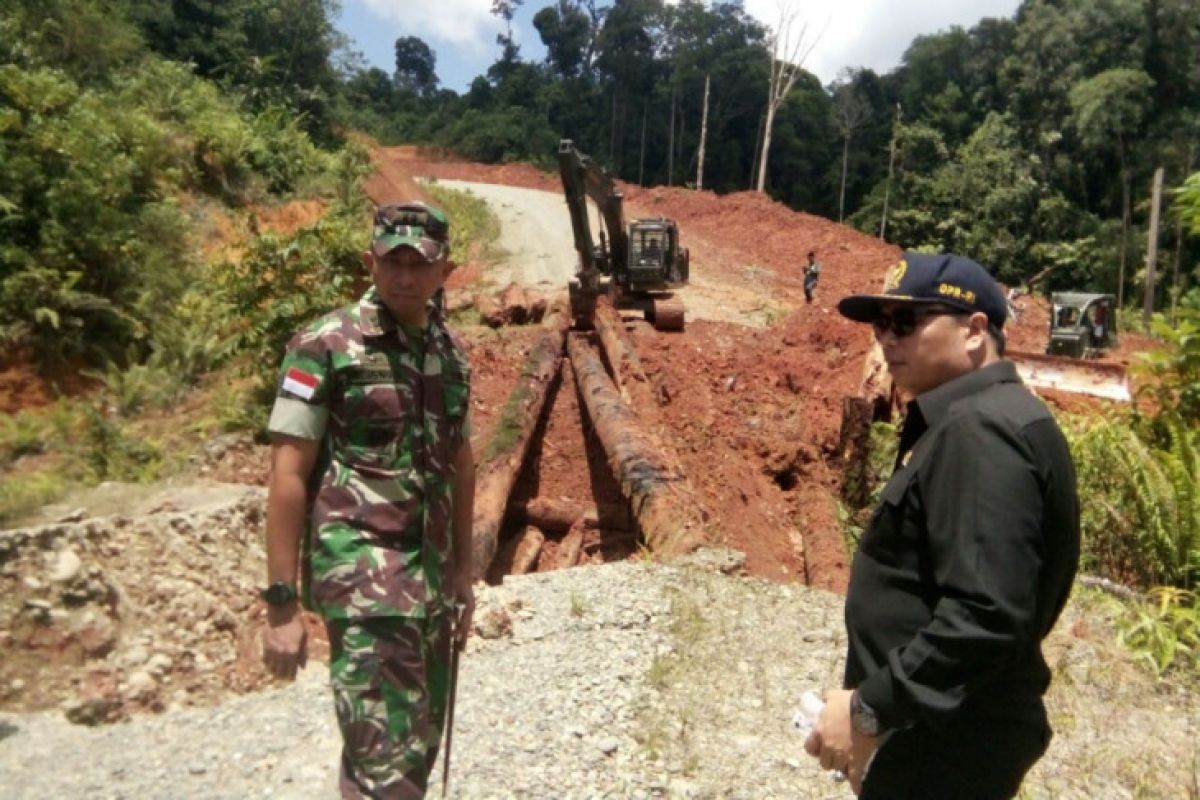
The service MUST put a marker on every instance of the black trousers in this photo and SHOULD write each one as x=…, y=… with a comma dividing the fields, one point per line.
x=970, y=759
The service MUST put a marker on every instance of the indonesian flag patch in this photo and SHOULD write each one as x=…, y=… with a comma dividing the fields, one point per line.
x=300, y=383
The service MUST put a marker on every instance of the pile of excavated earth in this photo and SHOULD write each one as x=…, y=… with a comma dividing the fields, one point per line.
x=143, y=602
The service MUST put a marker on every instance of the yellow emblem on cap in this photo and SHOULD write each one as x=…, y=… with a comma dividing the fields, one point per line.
x=895, y=276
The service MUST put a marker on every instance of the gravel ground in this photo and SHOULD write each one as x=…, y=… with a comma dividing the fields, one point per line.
x=628, y=680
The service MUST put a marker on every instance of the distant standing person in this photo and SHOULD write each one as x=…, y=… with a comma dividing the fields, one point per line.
x=370, y=498
x=966, y=563
x=812, y=274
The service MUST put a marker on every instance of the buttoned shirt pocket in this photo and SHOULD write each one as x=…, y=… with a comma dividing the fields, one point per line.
x=376, y=429
x=891, y=536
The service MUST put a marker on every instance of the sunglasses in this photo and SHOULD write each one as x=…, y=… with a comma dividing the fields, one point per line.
x=903, y=321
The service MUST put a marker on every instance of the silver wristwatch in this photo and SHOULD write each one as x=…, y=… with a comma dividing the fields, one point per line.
x=863, y=717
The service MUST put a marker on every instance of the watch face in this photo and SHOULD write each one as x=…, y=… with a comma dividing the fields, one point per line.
x=279, y=594
x=863, y=717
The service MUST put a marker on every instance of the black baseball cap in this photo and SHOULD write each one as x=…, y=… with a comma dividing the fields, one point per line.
x=923, y=279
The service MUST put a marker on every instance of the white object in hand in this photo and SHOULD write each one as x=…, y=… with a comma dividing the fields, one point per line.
x=806, y=716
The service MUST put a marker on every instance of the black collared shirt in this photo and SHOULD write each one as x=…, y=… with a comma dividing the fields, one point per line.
x=969, y=558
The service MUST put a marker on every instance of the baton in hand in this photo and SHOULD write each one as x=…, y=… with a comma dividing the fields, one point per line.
x=455, y=623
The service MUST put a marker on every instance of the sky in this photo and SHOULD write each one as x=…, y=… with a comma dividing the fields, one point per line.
x=462, y=33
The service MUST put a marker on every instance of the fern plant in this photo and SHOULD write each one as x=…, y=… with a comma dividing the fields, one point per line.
x=1141, y=509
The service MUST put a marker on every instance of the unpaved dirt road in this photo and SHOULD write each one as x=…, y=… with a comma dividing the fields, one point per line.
x=535, y=235
x=539, y=253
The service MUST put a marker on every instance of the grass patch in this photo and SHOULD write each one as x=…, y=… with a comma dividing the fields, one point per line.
x=474, y=229
x=23, y=492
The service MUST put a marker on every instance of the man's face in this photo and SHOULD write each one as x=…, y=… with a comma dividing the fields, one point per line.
x=405, y=281
x=925, y=346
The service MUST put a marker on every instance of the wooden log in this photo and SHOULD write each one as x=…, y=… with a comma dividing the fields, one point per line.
x=489, y=310
x=570, y=547
x=513, y=304
x=501, y=460
x=525, y=554
x=662, y=500
x=555, y=516
x=623, y=359
x=518, y=555
x=537, y=304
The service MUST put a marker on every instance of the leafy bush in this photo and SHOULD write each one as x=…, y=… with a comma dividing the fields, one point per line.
x=1141, y=515
x=1170, y=376
x=1164, y=633
x=284, y=282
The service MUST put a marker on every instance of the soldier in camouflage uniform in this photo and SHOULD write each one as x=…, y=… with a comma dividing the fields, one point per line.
x=370, y=500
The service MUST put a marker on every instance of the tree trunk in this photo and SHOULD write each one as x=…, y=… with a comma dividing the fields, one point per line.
x=766, y=146
x=504, y=455
x=557, y=516
x=671, y=144
x=842, y=194
x=519, y=554
x=662, y=500
x=1124, y=232
x=754, y=161
x=703, y=138
x=887, y=190
x=642, y=149
x=612, y=134
x=1152, y=248
x=622, y=357
x=514, y=304
x=570, y=546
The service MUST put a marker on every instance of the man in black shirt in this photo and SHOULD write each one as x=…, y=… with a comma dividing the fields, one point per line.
x=966, y=563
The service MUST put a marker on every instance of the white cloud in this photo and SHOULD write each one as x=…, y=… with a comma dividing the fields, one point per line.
x=465, y=25
x=874, y=33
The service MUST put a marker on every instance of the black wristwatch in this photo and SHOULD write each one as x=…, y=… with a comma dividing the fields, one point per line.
x=863, y=717
x=279, y=593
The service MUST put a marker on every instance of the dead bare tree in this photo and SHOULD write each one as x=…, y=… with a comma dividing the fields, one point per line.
x=849, y=112
x=787, y=58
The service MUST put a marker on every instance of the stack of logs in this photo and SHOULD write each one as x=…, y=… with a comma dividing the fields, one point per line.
x=514, y=306
x=663, y=508
x=574, y=522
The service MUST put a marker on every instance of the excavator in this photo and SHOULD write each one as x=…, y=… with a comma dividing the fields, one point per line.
x=1082, y=328
x=638, y=267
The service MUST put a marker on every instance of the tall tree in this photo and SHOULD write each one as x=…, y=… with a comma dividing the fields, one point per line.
x=415, y=66
x=1109, y=108
x=566, y=32
x=787, y=59
x=850, y=110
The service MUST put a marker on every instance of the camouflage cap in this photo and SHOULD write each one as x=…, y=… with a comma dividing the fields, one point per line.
x=417, y=225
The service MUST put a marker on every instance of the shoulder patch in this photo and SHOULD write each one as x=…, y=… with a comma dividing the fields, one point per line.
x=300, y=383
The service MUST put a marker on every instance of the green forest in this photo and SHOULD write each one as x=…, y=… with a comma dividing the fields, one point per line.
x=1027, y=143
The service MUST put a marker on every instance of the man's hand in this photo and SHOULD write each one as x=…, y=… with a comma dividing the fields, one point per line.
x=464, y=597
x=837, y=743
x=285, y=642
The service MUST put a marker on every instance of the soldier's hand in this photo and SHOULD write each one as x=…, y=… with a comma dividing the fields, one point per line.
x=285, y=642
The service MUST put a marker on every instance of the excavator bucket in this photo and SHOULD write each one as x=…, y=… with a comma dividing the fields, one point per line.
x=1079, y=376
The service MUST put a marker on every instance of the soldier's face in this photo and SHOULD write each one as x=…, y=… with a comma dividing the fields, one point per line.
x=405, y=281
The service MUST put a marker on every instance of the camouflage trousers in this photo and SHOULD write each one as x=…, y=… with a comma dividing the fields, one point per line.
x=390, y=680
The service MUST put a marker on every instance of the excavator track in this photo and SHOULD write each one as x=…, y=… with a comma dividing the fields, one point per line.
x=667, y=313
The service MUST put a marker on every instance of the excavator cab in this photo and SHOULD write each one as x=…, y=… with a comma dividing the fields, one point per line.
x=655, y=259
x=1081, y=325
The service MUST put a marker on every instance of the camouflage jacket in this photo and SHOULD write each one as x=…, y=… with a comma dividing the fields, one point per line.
x=390, y=409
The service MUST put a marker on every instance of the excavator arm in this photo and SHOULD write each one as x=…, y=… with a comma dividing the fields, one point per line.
x=583, y=178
